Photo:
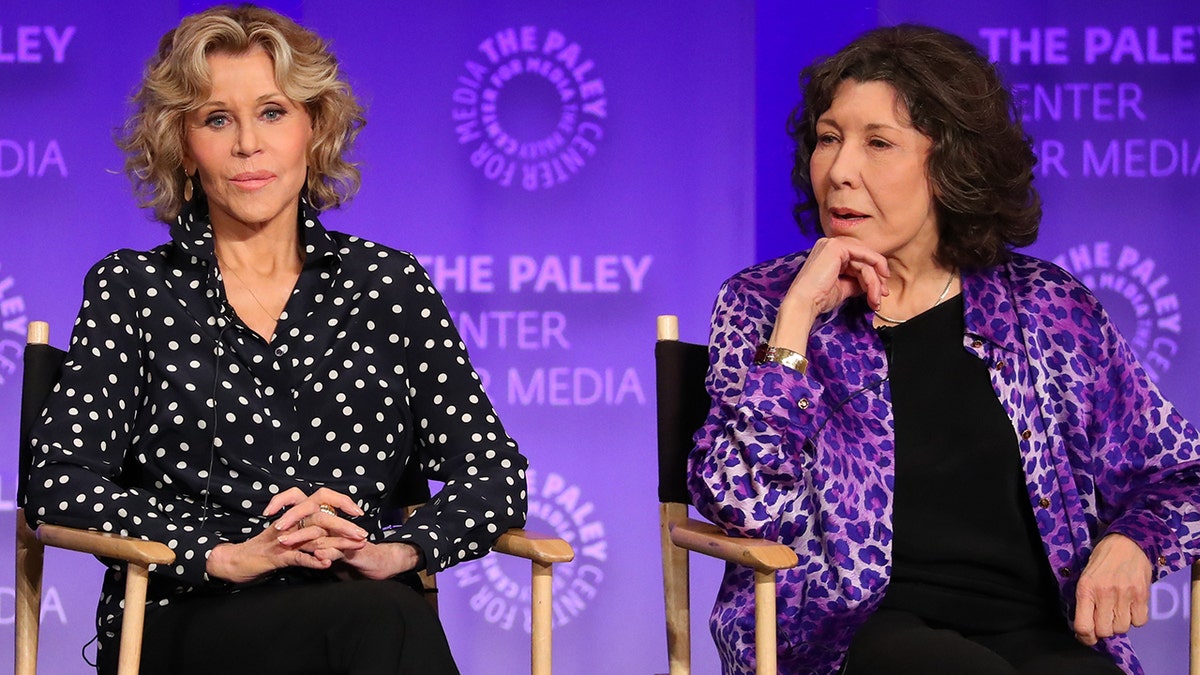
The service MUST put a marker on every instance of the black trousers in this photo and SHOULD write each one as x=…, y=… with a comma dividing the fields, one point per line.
x=326, y=627
x=898, y=642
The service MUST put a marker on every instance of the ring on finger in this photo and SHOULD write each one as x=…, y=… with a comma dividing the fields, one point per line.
x=326, y=508
x=303, y=523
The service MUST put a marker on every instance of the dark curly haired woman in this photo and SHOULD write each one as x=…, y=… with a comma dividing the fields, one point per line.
x=977, y=475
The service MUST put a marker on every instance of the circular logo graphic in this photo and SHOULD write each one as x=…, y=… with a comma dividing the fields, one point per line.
x=530, y=109
x=498, y=586
x=1136, y=293
x=12, y=330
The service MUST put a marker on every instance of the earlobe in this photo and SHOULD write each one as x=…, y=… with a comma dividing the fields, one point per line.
x=935, y=188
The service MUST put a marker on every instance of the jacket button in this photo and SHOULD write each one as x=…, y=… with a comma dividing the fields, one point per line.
x=1065, y=572
x=1026, y=434
x=977, y=344
x=803, y=403
x=1044, y=503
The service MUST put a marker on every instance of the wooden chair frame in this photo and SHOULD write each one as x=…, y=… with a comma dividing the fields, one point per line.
x=137, y=553
x=1194, y=623
x=681, y=534
x=542, y=551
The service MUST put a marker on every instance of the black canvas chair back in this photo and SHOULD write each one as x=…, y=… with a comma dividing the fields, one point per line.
x=413, y=492
x=683, y=404
x=43, y=364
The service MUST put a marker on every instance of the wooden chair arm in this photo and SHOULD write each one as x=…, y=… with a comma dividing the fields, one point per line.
x=758, y=554
x=535, y=546
x=107, y=545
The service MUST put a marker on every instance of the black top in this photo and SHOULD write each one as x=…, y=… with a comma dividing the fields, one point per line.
x=175, y=421
x=966, y=552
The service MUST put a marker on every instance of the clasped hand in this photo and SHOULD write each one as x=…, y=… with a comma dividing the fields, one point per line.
x=305, y=535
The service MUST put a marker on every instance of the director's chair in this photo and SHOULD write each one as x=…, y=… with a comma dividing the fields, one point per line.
x=683, y=404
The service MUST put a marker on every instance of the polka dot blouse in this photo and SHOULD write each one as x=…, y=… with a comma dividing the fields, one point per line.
x=174, y=421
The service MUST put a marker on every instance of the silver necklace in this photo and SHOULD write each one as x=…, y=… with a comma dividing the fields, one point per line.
x=937, y=302
x=273, y=317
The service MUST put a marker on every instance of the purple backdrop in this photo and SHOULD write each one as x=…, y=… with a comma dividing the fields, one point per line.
x=648, y=163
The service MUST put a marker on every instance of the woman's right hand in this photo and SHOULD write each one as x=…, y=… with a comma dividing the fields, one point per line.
x=837, y=269
x=293, y=539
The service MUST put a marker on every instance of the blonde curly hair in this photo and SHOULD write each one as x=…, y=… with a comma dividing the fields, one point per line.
x=177, y=81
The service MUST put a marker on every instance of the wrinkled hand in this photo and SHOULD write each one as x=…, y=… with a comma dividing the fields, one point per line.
x=330, y=538
x=304, y=536
x=837, y=269
x=1114, y=590
x=305, y=509
x=374, y=561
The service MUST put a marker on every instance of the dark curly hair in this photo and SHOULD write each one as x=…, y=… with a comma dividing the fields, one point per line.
x=981, y=161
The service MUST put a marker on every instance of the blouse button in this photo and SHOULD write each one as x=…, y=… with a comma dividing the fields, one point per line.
x=1044, y=503
x=1162, y=561
x=977, y=344
x=1026, y=434
x=1065, y=572
x=281, y=350
x=803, y=403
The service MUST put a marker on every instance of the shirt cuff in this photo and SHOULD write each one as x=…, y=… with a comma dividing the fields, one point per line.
x=773, y=391
x=1154, y=537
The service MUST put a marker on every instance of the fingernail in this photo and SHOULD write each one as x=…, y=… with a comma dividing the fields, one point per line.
x=362, y=534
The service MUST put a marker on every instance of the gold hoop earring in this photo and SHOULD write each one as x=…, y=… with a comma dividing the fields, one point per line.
x=189, y=190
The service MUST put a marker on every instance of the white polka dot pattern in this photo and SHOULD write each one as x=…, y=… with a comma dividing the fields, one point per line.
x=365, y=369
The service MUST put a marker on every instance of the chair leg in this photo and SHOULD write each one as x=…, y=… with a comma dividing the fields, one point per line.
x=764, y=623
x=1194, y=638
x=543, y=578
x=137, y=577
x=676, y=591
x=30, y=553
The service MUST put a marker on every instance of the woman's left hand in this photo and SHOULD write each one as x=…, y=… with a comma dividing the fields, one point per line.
x=330, y=537
x=1114, y=590
x=373, y=561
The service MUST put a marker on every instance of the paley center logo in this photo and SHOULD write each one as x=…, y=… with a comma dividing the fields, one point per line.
x=1136, y=293
x=499, y=586
x=530, y=107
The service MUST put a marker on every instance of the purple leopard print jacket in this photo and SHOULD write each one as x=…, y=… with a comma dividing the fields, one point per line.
x=807, y=460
